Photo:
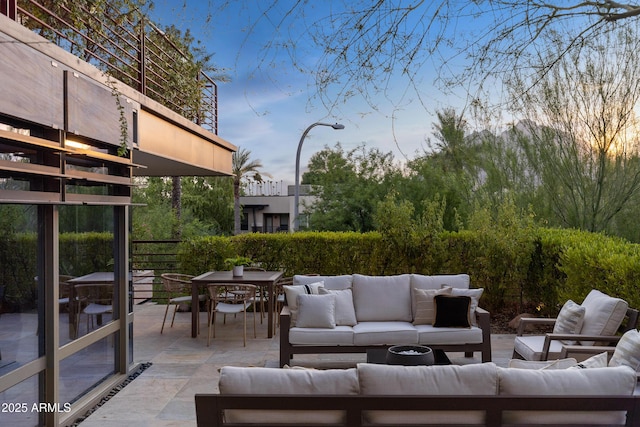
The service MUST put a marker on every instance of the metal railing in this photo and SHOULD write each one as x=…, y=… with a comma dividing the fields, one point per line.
x=128, y=47
x=157, y=255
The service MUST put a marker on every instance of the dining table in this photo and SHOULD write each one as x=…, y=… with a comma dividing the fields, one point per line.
x=97, y=278
x=266, y=280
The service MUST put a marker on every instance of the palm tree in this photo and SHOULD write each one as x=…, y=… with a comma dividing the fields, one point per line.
x=242, y=167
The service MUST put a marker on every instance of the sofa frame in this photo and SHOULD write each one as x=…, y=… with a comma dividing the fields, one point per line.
x=210, y=407
x=287, y=350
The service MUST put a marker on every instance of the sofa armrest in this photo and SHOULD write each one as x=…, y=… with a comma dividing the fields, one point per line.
x=285, y=346
x=484, y=322
x=529, y=321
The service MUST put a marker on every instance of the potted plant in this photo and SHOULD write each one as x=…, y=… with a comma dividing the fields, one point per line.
x=237, y=264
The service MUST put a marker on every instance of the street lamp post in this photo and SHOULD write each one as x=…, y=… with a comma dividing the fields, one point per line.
x=296, y=193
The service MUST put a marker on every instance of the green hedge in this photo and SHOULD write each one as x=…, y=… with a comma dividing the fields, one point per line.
x=532, y=270
x=80, y=253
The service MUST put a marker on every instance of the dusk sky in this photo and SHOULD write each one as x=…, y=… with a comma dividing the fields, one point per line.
x=265, y=110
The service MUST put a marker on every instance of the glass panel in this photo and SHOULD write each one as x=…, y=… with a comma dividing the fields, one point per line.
x=17, y=404
x=86, y=270
x=18, y=286
x=87, y=368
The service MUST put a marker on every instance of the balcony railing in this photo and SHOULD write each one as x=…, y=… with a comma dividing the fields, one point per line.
x=128, y=47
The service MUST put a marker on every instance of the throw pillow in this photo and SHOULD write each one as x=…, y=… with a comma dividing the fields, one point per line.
x=316, y=311
x=542, y=365
x=627, y=352
x=475, y=295
x=291, y=293
x=597, y=361
x=452, y=311
x=345, y=312
x=425, y=313
x=569, y=320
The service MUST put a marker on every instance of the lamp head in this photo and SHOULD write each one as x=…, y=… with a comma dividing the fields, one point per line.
x=337, y=126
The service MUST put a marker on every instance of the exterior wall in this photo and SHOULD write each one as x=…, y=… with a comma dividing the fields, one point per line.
x=274, y=206
x=51, y=95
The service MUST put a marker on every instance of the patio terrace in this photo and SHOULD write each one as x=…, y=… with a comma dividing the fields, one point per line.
x=163, y=395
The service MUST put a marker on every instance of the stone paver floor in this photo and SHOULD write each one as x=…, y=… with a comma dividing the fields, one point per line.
x=163, y=395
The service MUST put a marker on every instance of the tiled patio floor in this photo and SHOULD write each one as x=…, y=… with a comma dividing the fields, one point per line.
x=163, y=395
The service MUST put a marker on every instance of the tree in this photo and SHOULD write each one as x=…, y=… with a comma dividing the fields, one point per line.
x=242, y=167
x=582, y=139
x=348, y=186
x=365, y=44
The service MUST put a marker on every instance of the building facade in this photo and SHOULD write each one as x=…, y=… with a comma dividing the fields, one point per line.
x=71, y=140
x=274, y=213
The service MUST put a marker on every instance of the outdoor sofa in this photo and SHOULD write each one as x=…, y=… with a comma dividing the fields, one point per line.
x=475, y=394
x=378, y=312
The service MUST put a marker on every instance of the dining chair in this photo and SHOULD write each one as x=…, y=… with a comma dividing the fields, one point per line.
x=230, y=299
x=63, y=290
x=261, y=294
x=177, y=290
x=93, y=300
x=279, y=297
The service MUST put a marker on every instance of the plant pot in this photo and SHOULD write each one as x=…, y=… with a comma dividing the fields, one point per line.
x=410, y=355
x=238, y=270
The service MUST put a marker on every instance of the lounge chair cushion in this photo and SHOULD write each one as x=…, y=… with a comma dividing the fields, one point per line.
x=603, y=314
x=530, y=347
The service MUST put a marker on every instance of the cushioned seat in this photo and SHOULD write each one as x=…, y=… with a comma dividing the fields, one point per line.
x=530, y=348
x=428, y=334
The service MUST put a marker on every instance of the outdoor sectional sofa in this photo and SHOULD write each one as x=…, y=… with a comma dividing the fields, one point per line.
x=378, y=312
x=475, y=394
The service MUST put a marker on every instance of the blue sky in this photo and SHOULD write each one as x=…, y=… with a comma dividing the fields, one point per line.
x=265, y=110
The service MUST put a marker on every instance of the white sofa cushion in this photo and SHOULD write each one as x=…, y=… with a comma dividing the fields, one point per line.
x=330, y=282
x=340, y=335
x=384, y=333
x=603, y=314
x=420, y=281
x=559, y=382
x=236, y=380
x=429, y=335
x=382, y=298
x=471, y=380
x=316, y=311
x=345, y=312
x=455, y=281
x=530, y=347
